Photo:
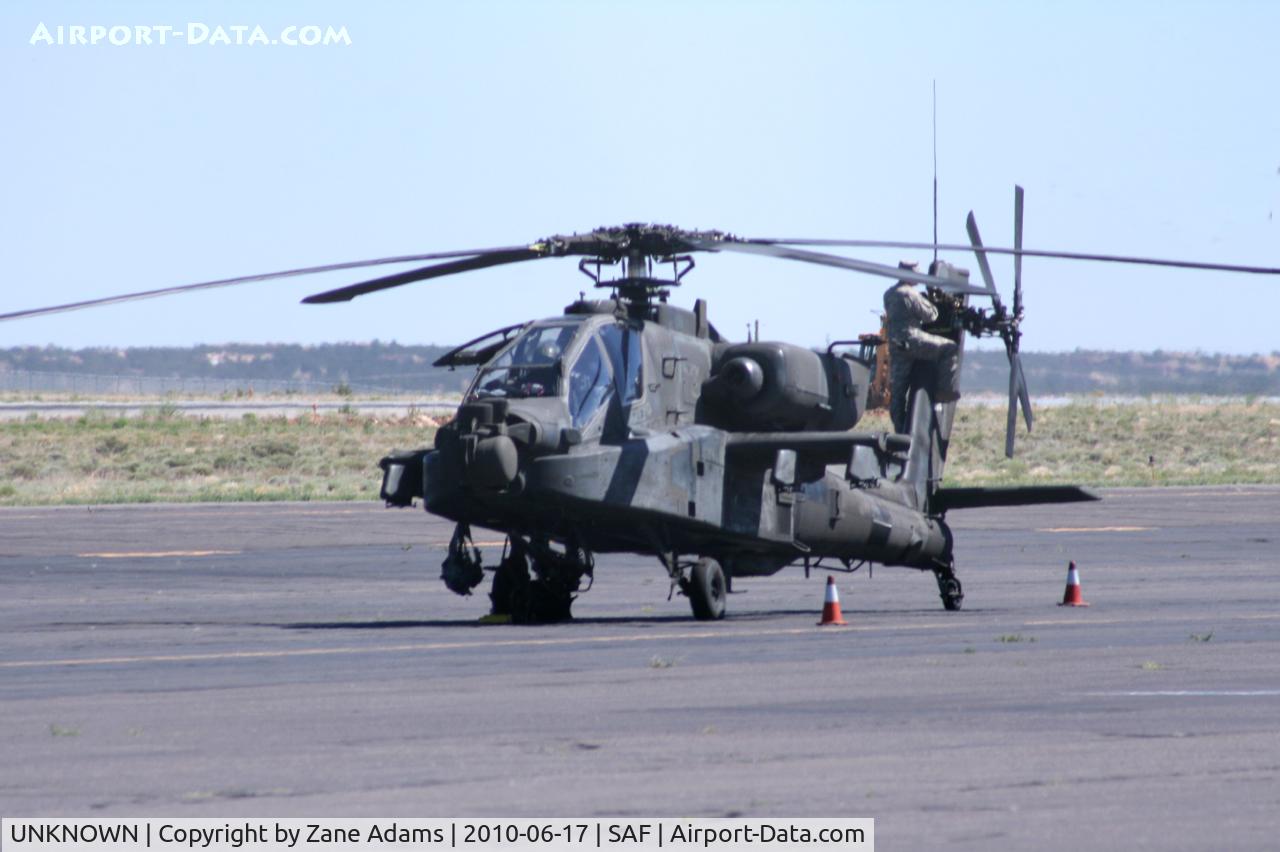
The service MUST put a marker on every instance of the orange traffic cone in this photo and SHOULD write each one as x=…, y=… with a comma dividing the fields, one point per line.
x=1072, y=596
x=831, y=605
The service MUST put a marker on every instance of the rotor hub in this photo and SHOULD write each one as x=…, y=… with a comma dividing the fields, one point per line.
x=629, y=242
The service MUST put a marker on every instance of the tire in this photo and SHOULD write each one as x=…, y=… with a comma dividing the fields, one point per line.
x=549, y=603
x=510, y=590
x=707, y=590
x=952, y=594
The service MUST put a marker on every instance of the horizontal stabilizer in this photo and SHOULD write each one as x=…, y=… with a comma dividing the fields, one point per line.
x=947, y=499
x=828, y=447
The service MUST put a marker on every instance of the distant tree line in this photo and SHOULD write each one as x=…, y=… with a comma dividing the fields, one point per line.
x=373, y=364
x=393, y=365
x=1127, y=373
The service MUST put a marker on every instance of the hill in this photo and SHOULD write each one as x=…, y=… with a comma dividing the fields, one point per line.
x=394, y=367
x=378, y=366
x=1128, y=373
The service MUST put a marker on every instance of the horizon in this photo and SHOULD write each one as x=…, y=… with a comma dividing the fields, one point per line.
x=969, y=349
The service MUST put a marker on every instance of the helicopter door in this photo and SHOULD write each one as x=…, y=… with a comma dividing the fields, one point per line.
x=671, y=394
x=692, y=367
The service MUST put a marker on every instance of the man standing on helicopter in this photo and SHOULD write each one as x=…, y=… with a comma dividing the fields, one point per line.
x=906, y=310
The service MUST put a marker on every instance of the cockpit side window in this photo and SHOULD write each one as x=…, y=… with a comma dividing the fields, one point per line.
x=590, y=384
x=623, y=345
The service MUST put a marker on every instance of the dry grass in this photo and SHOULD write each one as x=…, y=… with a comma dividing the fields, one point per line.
x=167, y=457
x=1159, y=442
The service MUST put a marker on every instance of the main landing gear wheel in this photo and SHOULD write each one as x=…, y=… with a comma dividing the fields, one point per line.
x=544, y=598
x=549, y=602
x=949, y=588
x=707, y=590
x=510, y=588
x=538, y=600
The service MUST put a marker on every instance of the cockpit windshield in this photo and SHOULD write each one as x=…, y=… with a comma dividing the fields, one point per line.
x=590, y=383
x=530, y=367
x=623, y=345
x=609, y=364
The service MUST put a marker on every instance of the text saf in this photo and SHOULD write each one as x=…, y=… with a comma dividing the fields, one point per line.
x=629, y=833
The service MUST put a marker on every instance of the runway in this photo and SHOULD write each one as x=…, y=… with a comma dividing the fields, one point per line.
x=305, y=659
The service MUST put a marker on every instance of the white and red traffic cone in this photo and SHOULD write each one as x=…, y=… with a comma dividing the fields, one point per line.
x=1072, y=596
x=831, y=605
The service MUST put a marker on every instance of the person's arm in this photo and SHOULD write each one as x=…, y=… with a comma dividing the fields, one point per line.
x=922, y=309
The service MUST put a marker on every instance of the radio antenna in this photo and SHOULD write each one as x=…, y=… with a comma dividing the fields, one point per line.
x=935, y=171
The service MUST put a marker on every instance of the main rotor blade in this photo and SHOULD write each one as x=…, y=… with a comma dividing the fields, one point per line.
x=244, y=279
x=971, y=224
x=496, y=258
x=755, y=247
x=1059, y=255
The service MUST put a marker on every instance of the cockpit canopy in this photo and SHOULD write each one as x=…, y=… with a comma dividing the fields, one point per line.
x=583, y=362
x=528, y=367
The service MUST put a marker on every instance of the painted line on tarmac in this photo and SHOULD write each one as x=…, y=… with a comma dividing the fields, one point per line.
x=1093, y=529
x=155, y=554
x=199, y=510
x=221, y=510
x=443, y=543
x=1194, y=693
x=1084, y=619
x=452, y=646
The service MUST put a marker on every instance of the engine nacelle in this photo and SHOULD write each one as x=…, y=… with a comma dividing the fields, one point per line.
x=781, y=387
x=741, y=378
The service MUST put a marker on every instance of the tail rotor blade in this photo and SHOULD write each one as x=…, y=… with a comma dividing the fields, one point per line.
x=1011, y=423
x=1024, y=397
x=1017, y=250
x=1016, y=359
x=1018, y=396
x=976, y=239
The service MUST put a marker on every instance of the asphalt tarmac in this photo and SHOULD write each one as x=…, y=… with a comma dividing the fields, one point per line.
x=304, y=660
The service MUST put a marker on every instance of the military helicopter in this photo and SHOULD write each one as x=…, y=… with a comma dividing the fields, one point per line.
x=629, y=424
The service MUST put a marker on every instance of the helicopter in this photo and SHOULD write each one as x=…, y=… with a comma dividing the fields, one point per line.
x=630, y=424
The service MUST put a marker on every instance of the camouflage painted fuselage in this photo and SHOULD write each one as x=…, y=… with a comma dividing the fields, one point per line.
x=741, y=452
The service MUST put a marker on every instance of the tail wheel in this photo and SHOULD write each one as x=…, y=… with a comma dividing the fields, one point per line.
x=707, y=590
x=950, y=590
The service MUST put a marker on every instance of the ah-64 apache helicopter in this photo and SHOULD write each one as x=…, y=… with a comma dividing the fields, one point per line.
x=628, y=424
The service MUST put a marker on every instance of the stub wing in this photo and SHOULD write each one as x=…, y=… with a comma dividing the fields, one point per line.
x=946, y=499
x=826, y=447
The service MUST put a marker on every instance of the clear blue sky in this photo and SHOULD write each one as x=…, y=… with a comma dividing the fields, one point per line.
x=1142, y=128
